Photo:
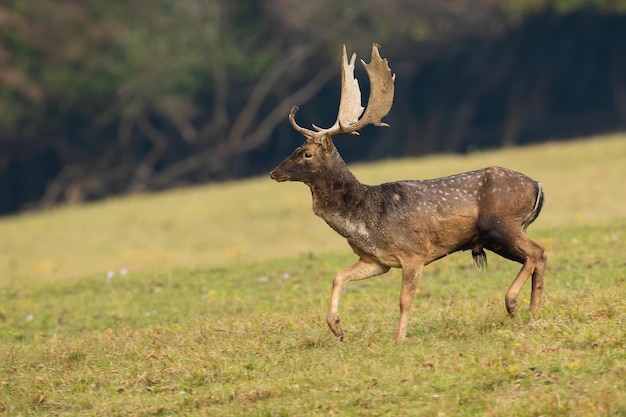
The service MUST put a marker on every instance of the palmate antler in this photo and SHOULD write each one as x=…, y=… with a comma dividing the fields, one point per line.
x=350, y=109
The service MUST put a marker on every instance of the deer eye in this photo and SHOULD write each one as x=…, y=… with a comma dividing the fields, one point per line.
x=308, y=155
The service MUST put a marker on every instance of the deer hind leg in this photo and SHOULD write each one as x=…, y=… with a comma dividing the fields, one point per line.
x=360, y=270
x=411, y=275
x=536, y=295
x=518, y=247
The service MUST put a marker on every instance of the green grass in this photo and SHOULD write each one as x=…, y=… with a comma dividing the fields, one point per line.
x=222, y=311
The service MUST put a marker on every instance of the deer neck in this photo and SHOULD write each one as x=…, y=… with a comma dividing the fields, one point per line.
x=337, y=192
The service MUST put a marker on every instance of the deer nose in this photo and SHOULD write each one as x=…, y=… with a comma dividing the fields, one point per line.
x=275, y=174
x=278, y=175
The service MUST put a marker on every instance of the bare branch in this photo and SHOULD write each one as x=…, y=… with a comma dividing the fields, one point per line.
x=255, y=139
x=219, y=118
x=262, y=89
x=269, y=123
x=159, y=142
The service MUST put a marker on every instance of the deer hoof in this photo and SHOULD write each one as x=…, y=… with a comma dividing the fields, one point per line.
x=511, y=305
x=335, y=326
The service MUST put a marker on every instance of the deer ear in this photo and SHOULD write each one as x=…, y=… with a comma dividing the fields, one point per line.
x=326, y=142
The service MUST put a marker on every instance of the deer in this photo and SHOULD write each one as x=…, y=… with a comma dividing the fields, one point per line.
x=409, y=224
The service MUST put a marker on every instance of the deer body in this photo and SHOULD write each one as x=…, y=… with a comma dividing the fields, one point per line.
x=409, y=224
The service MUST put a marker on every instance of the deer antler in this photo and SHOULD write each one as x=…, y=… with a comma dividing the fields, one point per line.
x=381, y=95
x=378, y=105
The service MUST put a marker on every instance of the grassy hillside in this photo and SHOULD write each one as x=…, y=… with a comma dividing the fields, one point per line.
x=257, y=219
x=216, y=300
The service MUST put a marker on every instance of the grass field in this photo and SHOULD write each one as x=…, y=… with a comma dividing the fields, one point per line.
x=212, y=301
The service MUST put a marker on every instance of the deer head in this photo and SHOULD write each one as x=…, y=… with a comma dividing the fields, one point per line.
x=317, y=156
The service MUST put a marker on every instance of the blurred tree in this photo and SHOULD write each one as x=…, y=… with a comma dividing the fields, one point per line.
x=99, y=98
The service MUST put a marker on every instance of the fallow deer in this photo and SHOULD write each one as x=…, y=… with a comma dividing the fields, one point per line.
x=409, y=224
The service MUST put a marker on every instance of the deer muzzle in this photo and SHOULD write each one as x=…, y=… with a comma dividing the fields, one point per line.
x=278, y=175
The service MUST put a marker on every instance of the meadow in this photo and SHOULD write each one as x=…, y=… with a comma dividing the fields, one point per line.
x=212, y=301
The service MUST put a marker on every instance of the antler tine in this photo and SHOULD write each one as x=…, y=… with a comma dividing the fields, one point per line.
x=350, y=101
x=350, y=108
x=292, y=119
x=381, y=93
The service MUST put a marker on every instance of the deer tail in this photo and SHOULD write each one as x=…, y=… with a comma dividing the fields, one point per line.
x=536, y=209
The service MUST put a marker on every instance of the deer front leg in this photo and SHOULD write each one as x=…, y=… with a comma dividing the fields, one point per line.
x=411, y=274
x=360, y=270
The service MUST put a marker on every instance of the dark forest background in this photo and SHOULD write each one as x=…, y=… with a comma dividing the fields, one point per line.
x=100, y=98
